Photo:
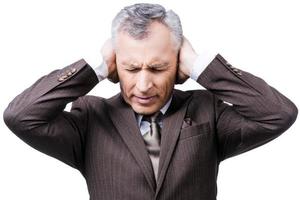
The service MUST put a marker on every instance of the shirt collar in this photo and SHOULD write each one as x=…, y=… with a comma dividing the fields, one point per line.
x=163, y=110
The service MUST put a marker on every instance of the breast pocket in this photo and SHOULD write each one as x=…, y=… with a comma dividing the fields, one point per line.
x=194, y=130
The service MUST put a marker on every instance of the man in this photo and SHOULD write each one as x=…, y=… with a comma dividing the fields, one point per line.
x=150, y=141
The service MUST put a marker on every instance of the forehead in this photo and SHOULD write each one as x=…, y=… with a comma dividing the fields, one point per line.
x=157, y=44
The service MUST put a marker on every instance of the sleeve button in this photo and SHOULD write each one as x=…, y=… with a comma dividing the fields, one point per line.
x=73, y=70
x=62, y=78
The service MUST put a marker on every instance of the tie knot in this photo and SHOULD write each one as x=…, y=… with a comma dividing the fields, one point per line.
x=153, y=118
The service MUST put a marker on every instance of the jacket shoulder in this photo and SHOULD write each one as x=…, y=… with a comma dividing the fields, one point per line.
x=89, y=101
x=201, y=94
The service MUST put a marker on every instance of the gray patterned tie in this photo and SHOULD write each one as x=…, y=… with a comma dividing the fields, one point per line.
x=152, y=140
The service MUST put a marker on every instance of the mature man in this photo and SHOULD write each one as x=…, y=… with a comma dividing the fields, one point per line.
x=150, y=141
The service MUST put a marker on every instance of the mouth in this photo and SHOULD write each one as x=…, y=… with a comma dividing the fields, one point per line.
x=144, y=100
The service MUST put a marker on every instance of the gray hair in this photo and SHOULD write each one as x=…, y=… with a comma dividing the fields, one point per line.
x=135, y=20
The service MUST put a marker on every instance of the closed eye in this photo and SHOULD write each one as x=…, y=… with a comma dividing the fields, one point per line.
x=132, y=69
x=157, y=69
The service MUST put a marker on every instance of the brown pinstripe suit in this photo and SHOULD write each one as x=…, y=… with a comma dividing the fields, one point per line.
x=101, y=139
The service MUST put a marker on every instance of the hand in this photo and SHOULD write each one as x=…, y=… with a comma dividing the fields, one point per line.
x=109, y=57
x=187, y=57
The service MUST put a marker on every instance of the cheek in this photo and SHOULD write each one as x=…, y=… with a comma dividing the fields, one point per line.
x=127, y=82
x=166, y=83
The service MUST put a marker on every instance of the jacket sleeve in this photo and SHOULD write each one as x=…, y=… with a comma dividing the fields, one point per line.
x=37, y=115
x=258, y=114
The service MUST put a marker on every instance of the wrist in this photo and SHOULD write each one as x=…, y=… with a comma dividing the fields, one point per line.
x=101, y=71
x=201, y=62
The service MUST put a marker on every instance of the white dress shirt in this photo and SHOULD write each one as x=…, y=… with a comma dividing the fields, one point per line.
x=145, y=125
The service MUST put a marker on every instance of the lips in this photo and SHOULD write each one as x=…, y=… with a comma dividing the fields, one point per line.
x=144, y=100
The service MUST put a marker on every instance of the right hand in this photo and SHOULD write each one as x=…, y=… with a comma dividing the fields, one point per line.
x=109, y=57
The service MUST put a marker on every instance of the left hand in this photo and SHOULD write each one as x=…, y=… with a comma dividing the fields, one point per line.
x=187, y=57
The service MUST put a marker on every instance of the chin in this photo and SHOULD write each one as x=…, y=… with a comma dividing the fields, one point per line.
x=144, y=110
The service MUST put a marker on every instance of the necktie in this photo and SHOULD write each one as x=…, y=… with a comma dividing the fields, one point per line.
x=152, y=140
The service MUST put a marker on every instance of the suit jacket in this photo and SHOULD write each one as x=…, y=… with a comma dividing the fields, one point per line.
x=100, y=137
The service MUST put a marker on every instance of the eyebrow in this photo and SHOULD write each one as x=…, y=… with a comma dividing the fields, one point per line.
x=158, y=65
x=150, y=66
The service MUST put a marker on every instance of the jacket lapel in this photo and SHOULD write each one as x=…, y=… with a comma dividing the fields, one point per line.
x=170, y=132
x=124, y=119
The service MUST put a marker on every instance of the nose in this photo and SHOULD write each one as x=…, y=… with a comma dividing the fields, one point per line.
x=144, y=82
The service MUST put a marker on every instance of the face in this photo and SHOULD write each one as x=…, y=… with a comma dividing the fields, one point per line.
x=147, y=68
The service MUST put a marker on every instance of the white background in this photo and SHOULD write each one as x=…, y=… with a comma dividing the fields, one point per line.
x=261, y=37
